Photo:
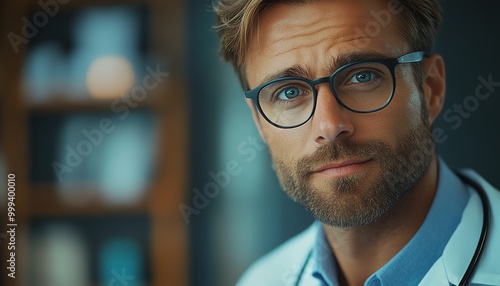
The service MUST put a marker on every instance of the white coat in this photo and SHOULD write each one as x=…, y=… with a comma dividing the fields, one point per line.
x=283, y=265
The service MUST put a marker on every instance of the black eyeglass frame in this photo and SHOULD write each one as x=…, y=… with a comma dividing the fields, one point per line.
x=390, y=63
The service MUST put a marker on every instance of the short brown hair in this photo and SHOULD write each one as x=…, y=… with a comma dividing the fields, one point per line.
x=236, y=20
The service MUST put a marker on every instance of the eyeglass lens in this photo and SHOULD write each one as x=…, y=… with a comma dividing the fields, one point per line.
x=360, y=87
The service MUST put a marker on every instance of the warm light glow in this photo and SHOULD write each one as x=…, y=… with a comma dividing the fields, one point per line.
x=110, y=77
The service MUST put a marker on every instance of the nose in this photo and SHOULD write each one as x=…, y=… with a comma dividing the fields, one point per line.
x=330, y=121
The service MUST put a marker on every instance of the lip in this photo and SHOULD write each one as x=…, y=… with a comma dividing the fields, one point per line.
x=343, y=168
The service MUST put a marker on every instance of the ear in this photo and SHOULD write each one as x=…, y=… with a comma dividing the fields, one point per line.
x=256, y=118
x=434, y=85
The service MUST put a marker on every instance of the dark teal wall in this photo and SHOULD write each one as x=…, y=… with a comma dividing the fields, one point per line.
x=469, y=42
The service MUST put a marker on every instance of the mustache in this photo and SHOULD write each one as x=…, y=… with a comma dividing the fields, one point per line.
x=340, y=151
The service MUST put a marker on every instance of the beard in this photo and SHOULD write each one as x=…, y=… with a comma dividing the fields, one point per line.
x=355, y=200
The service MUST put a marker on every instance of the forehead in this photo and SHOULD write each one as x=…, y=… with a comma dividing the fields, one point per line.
x=312, y=35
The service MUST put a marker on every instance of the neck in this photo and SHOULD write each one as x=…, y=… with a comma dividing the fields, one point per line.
x=361, y=251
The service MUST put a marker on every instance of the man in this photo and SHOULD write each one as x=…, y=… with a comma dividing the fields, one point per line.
x=347, y=118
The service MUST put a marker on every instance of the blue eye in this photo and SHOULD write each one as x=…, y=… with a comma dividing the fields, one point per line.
x=290, y=93
x=363, y=77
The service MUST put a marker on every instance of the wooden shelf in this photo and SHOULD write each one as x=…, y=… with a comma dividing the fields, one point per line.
x=45, y=201
x=165, y=96
x=69, y=106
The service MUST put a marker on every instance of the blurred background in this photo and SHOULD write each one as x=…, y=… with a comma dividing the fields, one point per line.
x=135, y=156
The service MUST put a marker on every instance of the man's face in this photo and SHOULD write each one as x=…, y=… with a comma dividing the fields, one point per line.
x=347, y=168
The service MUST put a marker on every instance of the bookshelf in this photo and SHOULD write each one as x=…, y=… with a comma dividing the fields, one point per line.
x=40, y=201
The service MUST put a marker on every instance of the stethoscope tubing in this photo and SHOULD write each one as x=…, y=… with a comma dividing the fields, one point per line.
x=484, y=231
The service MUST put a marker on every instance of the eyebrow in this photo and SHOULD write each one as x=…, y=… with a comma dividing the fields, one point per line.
x=335, y=63
x=293, y=71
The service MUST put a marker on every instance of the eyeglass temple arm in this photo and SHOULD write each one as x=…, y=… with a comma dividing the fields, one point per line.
x=411, y=57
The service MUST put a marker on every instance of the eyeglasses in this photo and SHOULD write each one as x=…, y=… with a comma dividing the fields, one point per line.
x=362, y=87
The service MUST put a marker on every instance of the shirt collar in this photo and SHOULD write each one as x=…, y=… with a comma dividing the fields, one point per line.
x=324, y=264
x=411, y=264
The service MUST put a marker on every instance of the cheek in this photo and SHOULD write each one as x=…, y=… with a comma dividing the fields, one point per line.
x=389, y=124
x=412, y=94
x=285, y=144
x=413, y=104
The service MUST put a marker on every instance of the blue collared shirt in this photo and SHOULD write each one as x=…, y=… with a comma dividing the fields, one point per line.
x=411, y=264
